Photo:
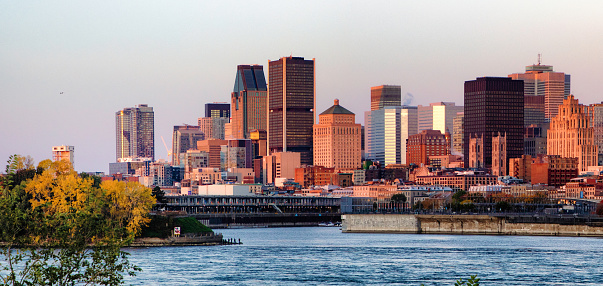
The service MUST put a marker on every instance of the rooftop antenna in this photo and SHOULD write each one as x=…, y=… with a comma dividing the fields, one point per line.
x=539, y=58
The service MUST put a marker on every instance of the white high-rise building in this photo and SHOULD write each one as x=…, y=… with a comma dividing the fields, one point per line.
x=386, y=131
x=438, y=116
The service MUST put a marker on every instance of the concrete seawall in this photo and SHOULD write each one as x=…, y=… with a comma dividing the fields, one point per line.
x=460, y=224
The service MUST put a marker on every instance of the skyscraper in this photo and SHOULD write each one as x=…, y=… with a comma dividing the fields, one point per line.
x=544, y=91
x=184, y=138
x=438, y=116
x=337, y=139
x=248, y=101
x=385, y=95
x=457, y=133
x=386, y=131
x=212, y=127
x=135, y=132
x=571, y=134
x=595, y=119
x=217, y=109
x=492, y=105
x=291, y=106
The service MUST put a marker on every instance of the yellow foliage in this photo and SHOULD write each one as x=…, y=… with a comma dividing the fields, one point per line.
x=129, y=203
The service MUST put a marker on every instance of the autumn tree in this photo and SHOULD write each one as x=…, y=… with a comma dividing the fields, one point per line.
x=66, y=230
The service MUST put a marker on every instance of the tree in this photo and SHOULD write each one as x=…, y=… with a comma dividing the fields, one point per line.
x=57, y=228
x=472, y=281
x=159, y=195
x=399, y=198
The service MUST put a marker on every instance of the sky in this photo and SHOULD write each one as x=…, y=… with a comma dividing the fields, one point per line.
x=176, y=56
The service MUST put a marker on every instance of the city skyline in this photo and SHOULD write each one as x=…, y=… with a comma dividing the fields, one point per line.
x=68, y=68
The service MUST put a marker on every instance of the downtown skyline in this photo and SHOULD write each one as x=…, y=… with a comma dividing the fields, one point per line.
x=176, y=58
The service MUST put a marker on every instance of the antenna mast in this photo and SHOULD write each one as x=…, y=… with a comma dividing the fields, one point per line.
x=539, y=58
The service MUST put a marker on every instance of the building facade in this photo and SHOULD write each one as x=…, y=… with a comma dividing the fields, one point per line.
x=291, y=106
x=385, y=95
x=420, y=147
x=457, y=133
x=438, y=116
x=237, y=153
x=249, y=101
x=337, y=139
x=184, y=138
x=386, y=131
x=217, y=110
x=595, y=119
x=64, y=152
x=212, y=127
x=492, y=105
x=280, y=165
x=135, y=132
x=571, y=135
x=544, y=91
x=213, y=147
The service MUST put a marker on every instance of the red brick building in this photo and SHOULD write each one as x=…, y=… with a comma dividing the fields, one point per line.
x=420, y=147
x=553, y=170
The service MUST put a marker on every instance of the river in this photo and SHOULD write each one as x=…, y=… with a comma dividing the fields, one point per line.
x=325, y=256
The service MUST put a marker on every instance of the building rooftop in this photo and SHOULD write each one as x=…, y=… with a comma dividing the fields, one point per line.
x=336, y=109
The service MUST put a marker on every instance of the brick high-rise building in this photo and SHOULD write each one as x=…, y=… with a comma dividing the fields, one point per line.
x=135, y=132
x=385, y=95
x=184, y=138
x=291, y=106
x=213, y=147
x=249, y=101
x=420, y=147
x=544, y=91
x=337, y=139
x=571, y=136
x=492, y=105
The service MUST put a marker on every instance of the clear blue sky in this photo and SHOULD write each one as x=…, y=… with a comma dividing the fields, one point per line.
x=178, y=55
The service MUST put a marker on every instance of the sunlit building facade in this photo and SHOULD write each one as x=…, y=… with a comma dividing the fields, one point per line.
x=386, y=131
x=135, y=132
x=385, y=95
x=249, y=101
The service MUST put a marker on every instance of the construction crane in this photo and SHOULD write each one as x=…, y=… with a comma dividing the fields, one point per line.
x=169, y=151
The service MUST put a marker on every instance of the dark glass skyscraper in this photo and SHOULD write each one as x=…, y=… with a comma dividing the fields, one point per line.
x=492, y=105
x=135, y=132
x=291, y=106
x=249, y=101
x=217, y=109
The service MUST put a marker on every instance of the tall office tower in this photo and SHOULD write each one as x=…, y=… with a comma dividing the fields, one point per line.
x=492, y=105
x=385, y=95
x=438, y=116
x=386, y=131
x=212, y=127
x=135, y=132
x=248, y=101
x=218, y=109
x=291, y=106
x=595, y=118
x=457, y=133
x=184, y=138
x=544, y=91
x=237, y=153
x=337, y=139
x=570, y=134
x=63, y=152
x=213, y=147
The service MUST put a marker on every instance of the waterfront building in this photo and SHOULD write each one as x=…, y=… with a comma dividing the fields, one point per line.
x=249, y=100
x=457, y=133
x=438, y=116
x=385, y=95
x=135, y=132
x=63, y=152
x=184, y=138
x=420, y=147
x=458, y=181
x=217, y=110
x=213, y=127
x=213, y=149
x=492, y=105
x=314, y=176
x=544, y=91
x=291, y=106
x=584, y=189
x=553, y=170
x=337, y=139
x=386, y=132
x=280, y=165
x=571, y=134
x=388, y=173
x=237, y=153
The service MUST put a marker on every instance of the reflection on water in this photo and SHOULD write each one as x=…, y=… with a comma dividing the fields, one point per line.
x=325, y=256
